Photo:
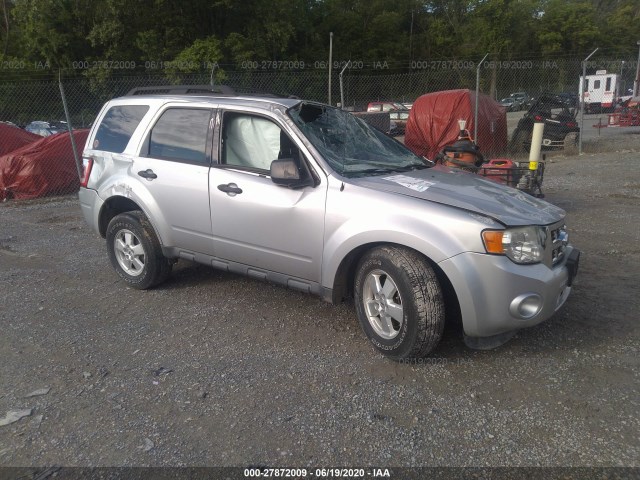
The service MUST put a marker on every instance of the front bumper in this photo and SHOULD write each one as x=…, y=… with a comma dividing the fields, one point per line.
x=491, y=289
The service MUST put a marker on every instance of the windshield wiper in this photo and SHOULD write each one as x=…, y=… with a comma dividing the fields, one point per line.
x=389, y=169
x=371, y=171
x=413, y=166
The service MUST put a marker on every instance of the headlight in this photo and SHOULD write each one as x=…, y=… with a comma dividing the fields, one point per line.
x=521, y=245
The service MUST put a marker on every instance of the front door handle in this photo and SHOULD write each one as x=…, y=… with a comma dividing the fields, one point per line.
x=230, y=188
x=148, y=174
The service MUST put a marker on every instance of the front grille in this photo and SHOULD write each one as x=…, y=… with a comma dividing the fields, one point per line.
x=559, y=240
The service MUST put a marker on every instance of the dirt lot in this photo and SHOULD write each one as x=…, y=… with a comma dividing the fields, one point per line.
x=213, y=369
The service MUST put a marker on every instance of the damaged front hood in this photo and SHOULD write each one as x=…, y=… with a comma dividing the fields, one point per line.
x=467, y=191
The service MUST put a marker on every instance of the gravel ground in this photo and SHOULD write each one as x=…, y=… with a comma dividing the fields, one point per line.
x=212, y=369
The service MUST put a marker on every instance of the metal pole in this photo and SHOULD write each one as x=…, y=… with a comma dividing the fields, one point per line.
x=330, y=62
x=475, y=112
x=69, y=127
x=582, y=84
x=636, y=83
x=211, y=82
x=341, y=86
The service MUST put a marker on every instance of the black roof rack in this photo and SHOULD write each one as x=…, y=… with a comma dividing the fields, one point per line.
x=183, y=90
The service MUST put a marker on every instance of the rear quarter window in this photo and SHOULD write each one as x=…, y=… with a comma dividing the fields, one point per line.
x=117, y=127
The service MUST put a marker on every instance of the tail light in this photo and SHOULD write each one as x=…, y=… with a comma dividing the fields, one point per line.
x=87, y=163
x=538, y=118
x=572, y=124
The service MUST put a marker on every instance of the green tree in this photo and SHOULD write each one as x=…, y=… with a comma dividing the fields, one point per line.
x=201, y=54
x=5, y=29
x=621, y=29
x=394, y=31
x=53, y=30
x=568, y=27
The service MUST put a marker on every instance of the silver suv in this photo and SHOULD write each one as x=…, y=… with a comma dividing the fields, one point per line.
x=310, y=197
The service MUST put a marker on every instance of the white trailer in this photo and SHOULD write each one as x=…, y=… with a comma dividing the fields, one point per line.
x=601, y=91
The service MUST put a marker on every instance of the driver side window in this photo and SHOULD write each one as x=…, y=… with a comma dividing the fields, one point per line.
x=253, y=142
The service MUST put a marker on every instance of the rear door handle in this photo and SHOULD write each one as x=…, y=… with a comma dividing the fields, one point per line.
x=148, y=174
x=230, y=188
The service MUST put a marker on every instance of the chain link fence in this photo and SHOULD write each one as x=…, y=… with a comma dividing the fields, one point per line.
x=25, y=98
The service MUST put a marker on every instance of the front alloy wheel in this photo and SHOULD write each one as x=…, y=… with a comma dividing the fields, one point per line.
x=399, y=302
x=383, y=304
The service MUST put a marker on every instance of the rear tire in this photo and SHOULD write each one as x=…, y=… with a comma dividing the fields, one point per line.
x=134, y=251
x=399, y=302
x=517, y=141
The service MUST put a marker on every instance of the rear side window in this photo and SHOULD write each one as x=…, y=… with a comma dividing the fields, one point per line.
x=608, y=87
x=181, y=134
x=118, y=126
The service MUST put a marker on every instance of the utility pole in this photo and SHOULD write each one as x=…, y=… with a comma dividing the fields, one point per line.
x=636, y=83
x=330, y=62
x=475, y=110
x=342, y=85
x=582, y=85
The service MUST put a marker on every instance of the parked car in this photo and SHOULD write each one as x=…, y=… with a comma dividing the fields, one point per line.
x=399, y=120
x=44, y=129
x=41, y=167
x=511, y=104
x=308, y=196
x=561, y=128
x=522, y=99
x=434, y=122
x=398, y=113
x=571, y=100
x=385, y=106
x=13, y=137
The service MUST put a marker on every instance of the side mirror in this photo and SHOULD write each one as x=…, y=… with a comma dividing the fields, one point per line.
x=285, y=172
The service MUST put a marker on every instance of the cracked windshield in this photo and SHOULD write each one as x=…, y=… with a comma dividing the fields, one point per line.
x=350, y=146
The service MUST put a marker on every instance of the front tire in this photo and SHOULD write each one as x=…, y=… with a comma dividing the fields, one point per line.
x=570, y=142
x=134, y=251
x=399, y=302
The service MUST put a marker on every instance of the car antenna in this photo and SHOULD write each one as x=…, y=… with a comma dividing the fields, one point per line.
x=69, y=127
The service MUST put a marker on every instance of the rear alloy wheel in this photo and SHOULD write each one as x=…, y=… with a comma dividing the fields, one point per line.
x=399, y=302
x=134, y=251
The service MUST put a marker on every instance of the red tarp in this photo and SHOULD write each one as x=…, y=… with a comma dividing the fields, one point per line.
x=45, y=167
x=433, y=122
x=12, y=138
